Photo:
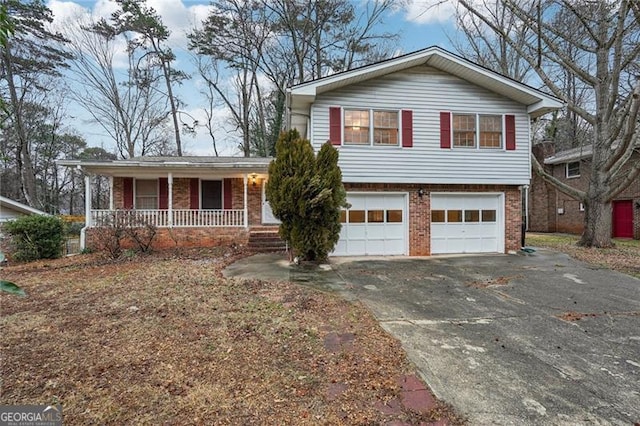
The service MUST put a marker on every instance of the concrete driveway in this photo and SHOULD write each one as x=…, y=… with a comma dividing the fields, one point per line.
x=539, y=339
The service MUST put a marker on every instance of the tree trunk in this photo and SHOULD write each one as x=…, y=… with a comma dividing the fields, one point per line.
x=25, y=165
x=597, y=231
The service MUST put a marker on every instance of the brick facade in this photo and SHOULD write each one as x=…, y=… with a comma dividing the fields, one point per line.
x=187, y=237
x=420, y=210
x=545, y=200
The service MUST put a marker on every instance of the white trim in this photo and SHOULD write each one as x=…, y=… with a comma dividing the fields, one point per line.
x=371, y=111
x=566, y=169
x=170, y=199
x=112, y=205
x=15, y=205
x=476, y=143
x=245, y=206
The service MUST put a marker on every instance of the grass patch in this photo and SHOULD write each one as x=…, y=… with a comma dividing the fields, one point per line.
x=166, y=339
x=623, y=257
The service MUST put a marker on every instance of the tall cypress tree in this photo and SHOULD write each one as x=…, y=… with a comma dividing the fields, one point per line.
x=306, y=193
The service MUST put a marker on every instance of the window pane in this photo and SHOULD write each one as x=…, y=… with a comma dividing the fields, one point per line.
x=356, y=216
x=488, y=215
x=385, y=119
x=437, y=216
x=356, y=127
x=343, y=216
x=211, y=194
x=375, y=216
x=385, y=136
x=146, y=194
x=490, y=131
x=394, y=216
x=454, y=215
x=464, y=130
x=472, y=216
x=573, y=169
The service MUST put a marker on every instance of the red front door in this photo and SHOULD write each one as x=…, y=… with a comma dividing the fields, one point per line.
x=623, y=219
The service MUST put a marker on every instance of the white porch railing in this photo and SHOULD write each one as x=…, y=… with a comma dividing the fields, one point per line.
x=160, y=218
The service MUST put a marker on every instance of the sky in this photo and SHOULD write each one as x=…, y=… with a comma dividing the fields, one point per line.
x=420, y=23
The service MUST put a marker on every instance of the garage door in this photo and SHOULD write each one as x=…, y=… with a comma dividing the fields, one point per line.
x=467, y=223
x=375, y=224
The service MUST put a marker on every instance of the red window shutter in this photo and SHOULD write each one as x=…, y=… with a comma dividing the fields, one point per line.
x=127, y=189
x=163, y=193
x=510, y=132
x=335, y=125
x=194, y=189
x=228, y=198
x=445, y=130
x=407, y=128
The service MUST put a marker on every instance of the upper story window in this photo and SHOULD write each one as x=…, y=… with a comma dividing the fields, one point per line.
x=474, y=130
x=573, y=169
x=146, y=194
x=371, y=127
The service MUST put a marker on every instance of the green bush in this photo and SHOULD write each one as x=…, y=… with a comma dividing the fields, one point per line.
x=36, y=237
x=305, y=192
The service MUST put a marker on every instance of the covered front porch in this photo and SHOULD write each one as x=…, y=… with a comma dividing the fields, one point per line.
x=180, y=194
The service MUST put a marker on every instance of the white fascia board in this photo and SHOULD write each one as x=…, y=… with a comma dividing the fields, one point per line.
x=544, y=106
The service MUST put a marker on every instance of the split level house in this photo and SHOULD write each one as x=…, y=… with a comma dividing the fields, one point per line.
x=434, y=152
x=553, y=211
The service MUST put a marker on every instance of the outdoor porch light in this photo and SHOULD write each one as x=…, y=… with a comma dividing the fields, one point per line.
x=420, y=192
x=253, y=179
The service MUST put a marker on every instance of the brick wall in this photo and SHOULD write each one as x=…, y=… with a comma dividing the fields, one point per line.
x=187, y=237
x=572, y=220
x=420, y=210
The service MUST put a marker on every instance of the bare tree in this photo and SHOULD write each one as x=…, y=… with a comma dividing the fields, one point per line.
x=270, y=45
x=597, y=43
x=28, y=55
x=135, y=16
x=125, y=103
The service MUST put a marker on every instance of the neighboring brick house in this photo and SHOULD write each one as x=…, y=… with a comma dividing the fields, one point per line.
x=434, y=152
x=552, y=211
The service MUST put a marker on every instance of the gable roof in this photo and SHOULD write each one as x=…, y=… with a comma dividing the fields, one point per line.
x=568, y=155
x=537, y=102
x=17, y=206
x=575, y=154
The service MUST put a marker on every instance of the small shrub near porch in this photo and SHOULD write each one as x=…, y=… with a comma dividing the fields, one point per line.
x=36, y=237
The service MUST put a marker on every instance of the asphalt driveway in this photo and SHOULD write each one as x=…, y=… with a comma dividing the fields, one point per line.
x=539, y=339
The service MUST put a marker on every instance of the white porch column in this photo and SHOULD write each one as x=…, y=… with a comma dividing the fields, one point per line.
x=170, y=202
x=87, y=201
x=246, y=210
x=87, y=212
x=111, y=202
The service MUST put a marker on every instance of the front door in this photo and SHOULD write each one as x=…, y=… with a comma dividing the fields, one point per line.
x=623, y=219
x=267, y=213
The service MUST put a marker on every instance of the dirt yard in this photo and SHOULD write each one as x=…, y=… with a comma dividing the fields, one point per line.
x=164, y=339
x=624, y=257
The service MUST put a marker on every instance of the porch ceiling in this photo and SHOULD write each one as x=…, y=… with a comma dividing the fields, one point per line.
x=177, y=166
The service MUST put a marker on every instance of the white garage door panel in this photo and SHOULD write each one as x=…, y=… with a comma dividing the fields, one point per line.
x=381, y=233
x=467, y=223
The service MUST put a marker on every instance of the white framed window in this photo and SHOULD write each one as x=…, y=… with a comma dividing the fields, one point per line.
x=146, y=194
x=573, y=169
x=484, y=131
x=211, y=194
x=371, y=127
